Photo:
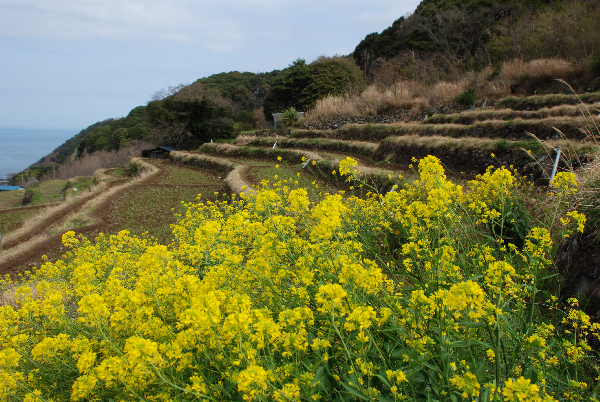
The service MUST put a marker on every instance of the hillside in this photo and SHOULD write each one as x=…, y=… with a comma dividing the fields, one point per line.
x=443, y=39
x=447, y=54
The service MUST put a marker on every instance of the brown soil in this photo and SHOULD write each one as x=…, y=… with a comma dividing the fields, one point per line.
x=52, y=247
x=102, y=215
x=53, y=220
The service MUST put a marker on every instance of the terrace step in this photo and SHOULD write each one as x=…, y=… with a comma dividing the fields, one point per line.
x=459, y=154
x=542, y=129
x=586, y=111
x=507, y=105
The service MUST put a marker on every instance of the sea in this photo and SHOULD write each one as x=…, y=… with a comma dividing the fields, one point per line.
x=22, y=147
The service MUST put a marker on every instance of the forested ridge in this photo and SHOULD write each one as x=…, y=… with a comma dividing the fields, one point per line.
x=441, y=41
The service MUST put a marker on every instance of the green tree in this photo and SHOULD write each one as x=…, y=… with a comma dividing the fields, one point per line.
x=301, y=85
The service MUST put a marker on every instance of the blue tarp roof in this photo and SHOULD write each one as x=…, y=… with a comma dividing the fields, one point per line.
x=9, y=188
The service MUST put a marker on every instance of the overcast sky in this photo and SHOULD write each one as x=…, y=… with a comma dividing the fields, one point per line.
x=71, y=63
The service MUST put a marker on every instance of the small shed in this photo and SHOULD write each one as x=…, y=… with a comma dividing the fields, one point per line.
x=11, y=188
x=157, y=153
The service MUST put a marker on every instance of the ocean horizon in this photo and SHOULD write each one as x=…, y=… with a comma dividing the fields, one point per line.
x=21, y=147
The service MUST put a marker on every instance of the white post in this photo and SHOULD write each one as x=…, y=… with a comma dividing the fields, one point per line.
x=555, y=165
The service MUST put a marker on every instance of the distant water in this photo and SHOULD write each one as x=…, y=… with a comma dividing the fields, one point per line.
x=21, y=147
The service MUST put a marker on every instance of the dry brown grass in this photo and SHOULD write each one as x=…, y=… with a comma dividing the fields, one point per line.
x=418, y=95
x=366, y=103
x=587, y=197
x=355, y=147
x=437, y=141
x=402, y=94
x=147, y=170
x=203, y=161
x=367, y=171
x=236, y=182
x=506, y=114
x=245, y=139
x=577, y=121
x=257, y=152
x=444, y=92
x=513, y=71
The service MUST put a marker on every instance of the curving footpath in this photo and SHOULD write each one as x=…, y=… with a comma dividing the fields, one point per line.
x=26, y=248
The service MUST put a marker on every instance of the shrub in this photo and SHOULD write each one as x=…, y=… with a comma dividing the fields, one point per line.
x=399, y=295
x=133, y=169
x=289, y=117
x=466, y=98
x=301, y=85
x=27, y=197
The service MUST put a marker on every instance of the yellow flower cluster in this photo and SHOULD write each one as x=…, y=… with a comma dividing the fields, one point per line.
x=271, y=296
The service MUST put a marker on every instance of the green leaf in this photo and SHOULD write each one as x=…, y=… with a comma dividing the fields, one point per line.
x=383, y=378
x=355, y=392
x=531, y=373
x=399, y=353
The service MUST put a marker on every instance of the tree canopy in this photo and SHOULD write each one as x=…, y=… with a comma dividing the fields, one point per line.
x=301, y=85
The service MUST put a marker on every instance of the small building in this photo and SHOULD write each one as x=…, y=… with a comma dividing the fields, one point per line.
x=158, y=152
x=11, y=188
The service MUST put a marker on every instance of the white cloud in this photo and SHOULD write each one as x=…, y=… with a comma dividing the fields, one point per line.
x=255, y=28
x=218, y=24
x=177, y=20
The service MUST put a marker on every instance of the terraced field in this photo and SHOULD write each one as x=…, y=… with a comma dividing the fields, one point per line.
x=522, y=132
x=142, y=205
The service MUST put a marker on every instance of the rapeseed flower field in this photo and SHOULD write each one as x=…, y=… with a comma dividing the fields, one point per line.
x=429, y=292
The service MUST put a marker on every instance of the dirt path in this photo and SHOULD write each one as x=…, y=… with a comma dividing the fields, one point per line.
x=53, y=219
x=99, y=208
x=31, y=254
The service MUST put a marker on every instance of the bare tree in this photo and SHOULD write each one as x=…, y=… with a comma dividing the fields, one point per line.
x=166, y=92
